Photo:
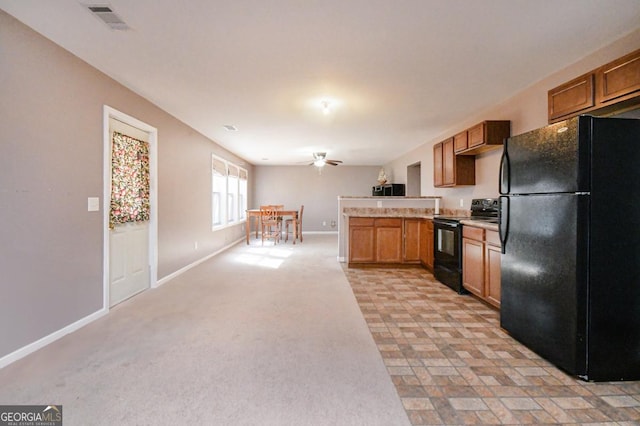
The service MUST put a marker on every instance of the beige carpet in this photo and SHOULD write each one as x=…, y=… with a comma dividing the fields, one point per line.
x=255, y=336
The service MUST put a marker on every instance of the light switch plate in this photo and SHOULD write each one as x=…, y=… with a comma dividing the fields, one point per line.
x=93, y=204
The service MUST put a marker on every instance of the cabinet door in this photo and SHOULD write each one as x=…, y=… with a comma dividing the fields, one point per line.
x=460, y=141
x=437, y=164
x=429, y=245
x=473, y=266
x=426, y=243
x=476, y=135
x=388, y=245
x=412, y=240
x=619, y=79
x=570, y=98
x=448, y=163
x=361, y=240
x=492, y=274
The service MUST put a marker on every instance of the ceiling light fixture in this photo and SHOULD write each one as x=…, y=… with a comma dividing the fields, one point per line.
x=230, y=128
x=319, y=162
x=326, y=107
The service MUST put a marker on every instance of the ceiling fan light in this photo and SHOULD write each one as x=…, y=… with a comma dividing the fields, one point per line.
x=319, y=162
x=325, y=108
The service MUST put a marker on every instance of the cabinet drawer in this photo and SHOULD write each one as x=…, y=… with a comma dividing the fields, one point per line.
x=493, y=238
x=473, y=233
x=393, y=222
x=361, y=221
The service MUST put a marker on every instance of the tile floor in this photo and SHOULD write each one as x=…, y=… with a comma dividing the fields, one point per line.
x=452, y=364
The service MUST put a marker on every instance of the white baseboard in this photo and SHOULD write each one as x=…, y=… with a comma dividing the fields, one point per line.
x=320, y=232
x=38, y=344
x=184, y=269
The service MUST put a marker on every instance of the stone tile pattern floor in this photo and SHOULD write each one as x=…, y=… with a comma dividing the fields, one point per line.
x=451, y=363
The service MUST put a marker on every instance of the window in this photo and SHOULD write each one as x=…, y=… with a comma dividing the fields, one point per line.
x=229, y=193
x=242, y=193
x=232, y=193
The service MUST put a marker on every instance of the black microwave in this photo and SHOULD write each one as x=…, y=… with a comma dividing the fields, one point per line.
x=388, y=189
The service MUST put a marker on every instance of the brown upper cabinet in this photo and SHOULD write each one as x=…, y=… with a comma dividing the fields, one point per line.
x=482, y=137
x=619, y=80
x=461, y=141
x=438, y=165
x=450, y=169
x=571, y=98
x=613, y=86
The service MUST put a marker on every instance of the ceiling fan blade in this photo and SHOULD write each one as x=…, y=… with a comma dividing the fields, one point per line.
x=333, y=162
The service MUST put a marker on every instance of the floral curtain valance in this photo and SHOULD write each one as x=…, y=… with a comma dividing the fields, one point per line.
x=129, y=180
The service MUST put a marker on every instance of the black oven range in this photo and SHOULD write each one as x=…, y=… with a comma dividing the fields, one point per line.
x=447, y=241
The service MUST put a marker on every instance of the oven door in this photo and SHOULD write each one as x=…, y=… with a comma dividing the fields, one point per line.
x=447, y=240
x=447, y=245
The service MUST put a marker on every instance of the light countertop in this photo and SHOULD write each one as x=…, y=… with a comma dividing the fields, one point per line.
x=480, y=224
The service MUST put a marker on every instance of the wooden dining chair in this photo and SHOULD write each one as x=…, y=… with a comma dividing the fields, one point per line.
x=271, y=222
x=290, y=222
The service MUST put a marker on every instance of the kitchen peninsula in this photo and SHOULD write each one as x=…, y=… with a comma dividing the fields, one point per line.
x=381, y=207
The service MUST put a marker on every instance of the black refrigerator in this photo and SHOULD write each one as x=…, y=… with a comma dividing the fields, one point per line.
x=570, y=230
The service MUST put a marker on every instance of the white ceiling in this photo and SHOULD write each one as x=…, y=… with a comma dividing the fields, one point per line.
x=397, y=72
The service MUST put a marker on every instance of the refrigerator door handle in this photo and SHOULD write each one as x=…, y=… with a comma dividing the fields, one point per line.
x=503, y=228
x=503, y=176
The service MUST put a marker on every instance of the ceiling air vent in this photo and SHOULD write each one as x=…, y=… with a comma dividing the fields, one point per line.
x=108, y=16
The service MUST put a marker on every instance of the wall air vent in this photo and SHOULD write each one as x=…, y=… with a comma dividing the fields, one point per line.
x=108, y=16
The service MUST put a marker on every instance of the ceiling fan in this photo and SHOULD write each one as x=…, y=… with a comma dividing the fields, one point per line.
x=320, y=159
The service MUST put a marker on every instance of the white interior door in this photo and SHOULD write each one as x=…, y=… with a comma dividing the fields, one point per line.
x=129, y=266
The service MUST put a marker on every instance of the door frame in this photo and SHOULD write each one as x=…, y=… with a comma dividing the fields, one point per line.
x=108, y=114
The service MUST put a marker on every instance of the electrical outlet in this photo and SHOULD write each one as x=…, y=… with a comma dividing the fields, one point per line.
x=379, y=204
x=324, y=223
x=195, y=245
x=461, y=202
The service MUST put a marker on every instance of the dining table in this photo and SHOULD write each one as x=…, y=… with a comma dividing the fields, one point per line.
x=255, y=213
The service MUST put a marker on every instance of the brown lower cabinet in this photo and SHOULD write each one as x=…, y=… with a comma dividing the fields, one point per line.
x=362, y=239
x=412, y=240
x=426, y=243
x=481, y=256
x=375, y=240
x=388, y=242
x=384, y=240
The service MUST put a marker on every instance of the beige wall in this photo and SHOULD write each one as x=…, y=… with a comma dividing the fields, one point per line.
x=296, y=185
x=51, y=161
x=527, y=111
